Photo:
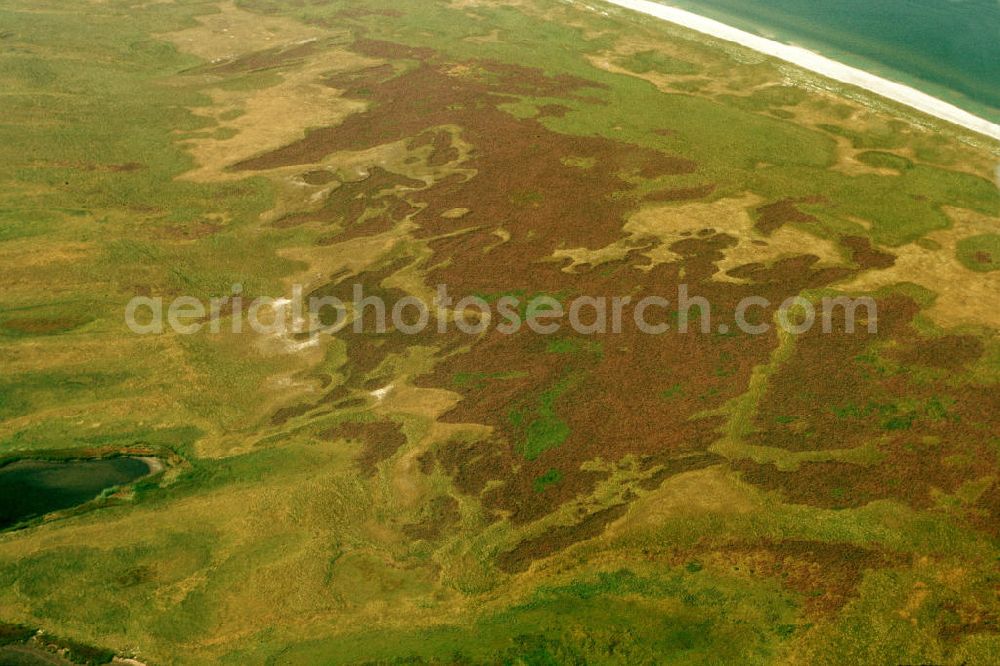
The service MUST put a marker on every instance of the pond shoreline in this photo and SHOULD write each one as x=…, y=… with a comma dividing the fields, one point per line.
x=37, y=489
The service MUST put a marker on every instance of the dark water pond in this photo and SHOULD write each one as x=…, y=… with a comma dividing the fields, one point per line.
x=30, y=488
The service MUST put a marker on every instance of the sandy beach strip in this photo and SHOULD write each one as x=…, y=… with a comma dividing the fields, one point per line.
x=822, y=65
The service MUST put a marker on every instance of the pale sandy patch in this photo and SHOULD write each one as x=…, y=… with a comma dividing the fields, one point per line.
x=155, y=465
x=22, y=254
x=668, y=224
x=233, y=31
x=964, y=296
x=272, y=117
x=710, y=490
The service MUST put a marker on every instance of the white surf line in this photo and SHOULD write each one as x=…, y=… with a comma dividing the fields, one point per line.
x=814, y=62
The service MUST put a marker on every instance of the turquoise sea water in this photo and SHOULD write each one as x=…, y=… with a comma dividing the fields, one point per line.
x=947, y=48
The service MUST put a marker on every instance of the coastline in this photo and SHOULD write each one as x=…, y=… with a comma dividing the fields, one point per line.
x=819, y=64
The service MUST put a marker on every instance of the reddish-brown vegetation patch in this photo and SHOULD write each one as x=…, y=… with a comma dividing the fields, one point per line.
x=983, y=257
x=375, y=338
x=773, y=216
x=441, y=513
x=966, y=617
x=357, y=83
x=777, y=274
x=278, y=56
x=348, y=204
x=985, y=513
x=667, y=165
x=949, y=352
x=317, y=177
x=474, y=464
x=827, y=575
x=560, y=204
x=362, y=12
x=336, y=394
x=373, y=224
x=282, y=415
x=553, y=110
x=828, y=395
x=673, y=466
x=912, y=470
x=442, y=151
x=126, y=167
x=42, y=325
x=836, y=393
x=381, y=440
x=609, y=395
x=558, y=538
x=864, y=255
x=682, y=193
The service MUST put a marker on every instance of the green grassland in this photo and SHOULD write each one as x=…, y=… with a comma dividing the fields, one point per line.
x=264, y=542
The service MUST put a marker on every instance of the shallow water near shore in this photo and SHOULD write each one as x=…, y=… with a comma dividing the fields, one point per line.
x=32, y=488
x=950, y=50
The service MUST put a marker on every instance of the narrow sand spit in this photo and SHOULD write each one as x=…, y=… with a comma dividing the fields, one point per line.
x=155, y=465
x=819, y=64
